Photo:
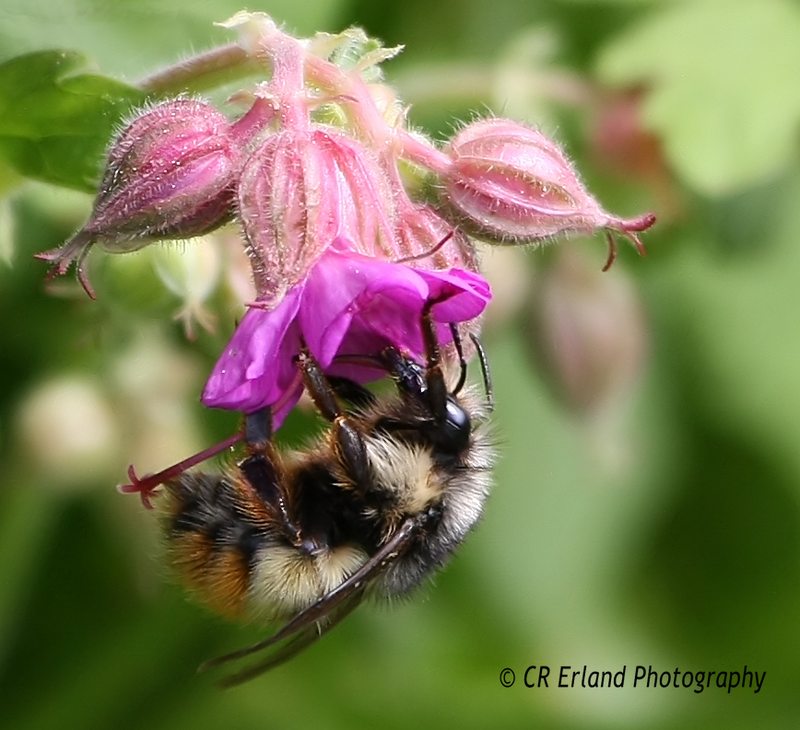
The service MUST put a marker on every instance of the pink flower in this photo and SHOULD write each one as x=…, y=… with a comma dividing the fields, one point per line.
x=349, y=305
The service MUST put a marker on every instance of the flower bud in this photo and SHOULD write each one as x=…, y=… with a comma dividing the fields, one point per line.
x=191, y=275
x=169, y=174
x=588, y=332
x=300, y=192
x=510, y=184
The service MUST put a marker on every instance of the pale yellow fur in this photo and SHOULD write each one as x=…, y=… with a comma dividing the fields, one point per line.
x=286, y=580
x=407, y=471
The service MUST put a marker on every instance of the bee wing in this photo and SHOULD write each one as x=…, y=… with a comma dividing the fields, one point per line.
x=305, y=628
x=302, y=639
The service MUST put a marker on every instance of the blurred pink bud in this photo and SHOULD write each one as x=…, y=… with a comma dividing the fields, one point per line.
x=589, y=332
x=169, y=174
x=621, y=143
x=301, y=192
x=510, y=184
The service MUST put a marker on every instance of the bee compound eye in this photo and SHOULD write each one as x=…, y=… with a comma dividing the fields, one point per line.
x=455, y=429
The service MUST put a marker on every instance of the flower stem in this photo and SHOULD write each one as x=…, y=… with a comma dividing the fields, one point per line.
x=206, y=70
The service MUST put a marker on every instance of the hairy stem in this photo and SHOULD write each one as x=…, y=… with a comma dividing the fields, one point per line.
x=204, y=71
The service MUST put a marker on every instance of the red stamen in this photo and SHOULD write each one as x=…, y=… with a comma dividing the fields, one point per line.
x=425, y=254
x=145, y=486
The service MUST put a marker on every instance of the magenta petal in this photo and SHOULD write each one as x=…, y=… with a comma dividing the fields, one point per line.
x=347, y=311
x=251, y=372
x=344, y=289
x=461, y=295
x=292, y=393
x=389, y=311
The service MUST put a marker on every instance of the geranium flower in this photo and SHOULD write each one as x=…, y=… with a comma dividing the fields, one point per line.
x=348, y=305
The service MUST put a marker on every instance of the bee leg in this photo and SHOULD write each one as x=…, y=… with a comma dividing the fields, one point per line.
x=487, y=375
x=262, y=471
x=347, y=439
x=436, y=387
x=428, y=383
x=462, y=378
x=351, y=391
x=257, y=429
x=408, y=375
x=262, y=474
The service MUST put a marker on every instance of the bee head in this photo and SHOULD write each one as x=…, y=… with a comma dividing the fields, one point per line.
x=446, y=423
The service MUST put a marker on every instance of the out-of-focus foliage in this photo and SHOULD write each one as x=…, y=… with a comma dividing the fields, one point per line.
x=660, y=527
x=728, y=105
x=55, y=120
x=134, y=37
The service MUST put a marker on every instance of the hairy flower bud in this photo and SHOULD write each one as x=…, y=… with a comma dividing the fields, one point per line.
x=510, y=184
x=299, y=193
x=169, y=174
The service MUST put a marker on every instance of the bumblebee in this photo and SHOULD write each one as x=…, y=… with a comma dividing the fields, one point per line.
x=373, y=508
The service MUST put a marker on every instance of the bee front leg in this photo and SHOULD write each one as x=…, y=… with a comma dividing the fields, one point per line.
x=437, y=388
x=424, y=383
x=347, y=439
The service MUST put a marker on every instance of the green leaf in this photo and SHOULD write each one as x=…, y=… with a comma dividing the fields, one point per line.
x=723, y=86
x=55, y=121
x=27, y=515
x=736, y=324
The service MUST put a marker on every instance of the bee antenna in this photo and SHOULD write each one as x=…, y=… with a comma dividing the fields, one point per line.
x=462, y=362
x=487, y=374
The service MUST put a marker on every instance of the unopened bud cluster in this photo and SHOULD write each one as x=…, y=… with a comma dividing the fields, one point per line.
x=344, y=254
x=180, y=169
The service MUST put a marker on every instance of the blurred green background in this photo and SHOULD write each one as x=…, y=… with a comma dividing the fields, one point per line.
x=646, y=506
